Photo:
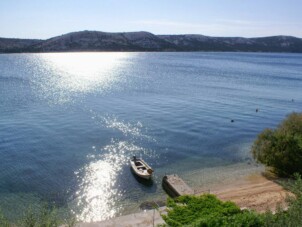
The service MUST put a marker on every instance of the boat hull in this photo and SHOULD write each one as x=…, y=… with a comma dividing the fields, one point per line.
x=141, y=169
x=142, y=176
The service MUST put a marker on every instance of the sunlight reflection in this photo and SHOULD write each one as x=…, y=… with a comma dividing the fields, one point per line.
x=65, y=74
x=134, y=129
x=98, y=195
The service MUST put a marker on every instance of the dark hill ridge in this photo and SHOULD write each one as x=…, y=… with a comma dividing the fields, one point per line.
x=102, y=41
x=145, y=41
x=16, y=45
x=207, y=43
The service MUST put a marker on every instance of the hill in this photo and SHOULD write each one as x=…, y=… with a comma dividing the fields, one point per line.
x=16, y=45
x=145, y=41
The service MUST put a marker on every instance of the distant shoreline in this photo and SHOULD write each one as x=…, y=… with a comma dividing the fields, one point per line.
x=148, y=42
x=70, y=52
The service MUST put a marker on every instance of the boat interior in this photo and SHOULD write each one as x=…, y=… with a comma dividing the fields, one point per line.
x=139, y=165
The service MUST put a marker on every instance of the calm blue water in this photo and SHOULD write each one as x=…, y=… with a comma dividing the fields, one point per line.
x=69, y=122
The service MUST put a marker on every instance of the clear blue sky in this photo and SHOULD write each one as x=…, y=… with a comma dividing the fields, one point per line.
x=247, y=18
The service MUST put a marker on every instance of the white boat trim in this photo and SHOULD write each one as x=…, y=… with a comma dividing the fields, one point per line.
x=141, y=168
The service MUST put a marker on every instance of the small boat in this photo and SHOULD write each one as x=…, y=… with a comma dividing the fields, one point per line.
x=141, y=168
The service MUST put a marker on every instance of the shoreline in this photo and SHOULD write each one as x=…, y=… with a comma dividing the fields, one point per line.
x=254, y=191
x=200, y=180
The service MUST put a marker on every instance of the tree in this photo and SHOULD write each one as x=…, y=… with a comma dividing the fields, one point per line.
x=281, y=148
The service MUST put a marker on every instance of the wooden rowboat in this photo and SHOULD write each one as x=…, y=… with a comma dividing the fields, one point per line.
x=141, y=168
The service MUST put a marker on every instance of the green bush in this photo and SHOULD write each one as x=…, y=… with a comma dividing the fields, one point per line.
x=281, y=148
x=207, y=210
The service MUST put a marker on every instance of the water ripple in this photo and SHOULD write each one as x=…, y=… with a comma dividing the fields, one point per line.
x=98, y=195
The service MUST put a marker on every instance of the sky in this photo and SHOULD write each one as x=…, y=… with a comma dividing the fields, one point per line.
x=44, y=19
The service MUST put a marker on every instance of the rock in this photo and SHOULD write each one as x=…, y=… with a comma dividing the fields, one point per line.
x=149, y=205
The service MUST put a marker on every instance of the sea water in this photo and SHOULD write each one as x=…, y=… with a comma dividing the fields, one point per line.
x=70, y=122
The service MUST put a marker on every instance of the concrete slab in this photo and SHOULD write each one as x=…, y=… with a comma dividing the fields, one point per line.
x=175, y=186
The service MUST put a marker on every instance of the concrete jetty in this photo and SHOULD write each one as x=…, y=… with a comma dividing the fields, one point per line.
x=175, y=186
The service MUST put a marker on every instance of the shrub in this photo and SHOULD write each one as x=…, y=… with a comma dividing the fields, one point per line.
x=207, y=210
x=281, y=148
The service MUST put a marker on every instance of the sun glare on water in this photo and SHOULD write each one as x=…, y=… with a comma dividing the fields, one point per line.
x=98, y=195
x=67, y=74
